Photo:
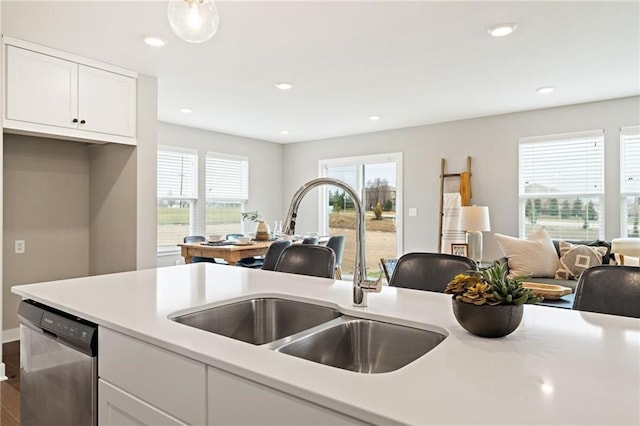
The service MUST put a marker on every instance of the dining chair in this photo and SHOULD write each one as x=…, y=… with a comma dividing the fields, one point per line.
x=307, y=259
x=310, y=240
x=388, y=265
x=609, y=289
x=198, y=259
x=273, y=254
x=336, y=243
x=269, y=260
x=429, y=271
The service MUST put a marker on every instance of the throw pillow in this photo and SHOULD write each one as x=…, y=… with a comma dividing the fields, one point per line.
x=628, y=260
x=576, y=258
x=535, y=256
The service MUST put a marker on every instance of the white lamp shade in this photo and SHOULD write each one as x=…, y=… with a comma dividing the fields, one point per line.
x=474, y=218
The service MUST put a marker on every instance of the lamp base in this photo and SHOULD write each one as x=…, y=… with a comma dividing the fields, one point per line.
x=474, y=239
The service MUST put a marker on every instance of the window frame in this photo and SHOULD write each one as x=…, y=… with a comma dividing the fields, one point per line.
x=359, y=162
x=523, y=197
x=244, y=197
x=193, y=200
x=629, y=135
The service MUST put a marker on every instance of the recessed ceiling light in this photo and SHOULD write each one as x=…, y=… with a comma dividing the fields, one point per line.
x=374, y=117
x=284, y=85
x=545, y=90
x=154, y=41
x=284, y=132
x=186, y=110
x=501, y=30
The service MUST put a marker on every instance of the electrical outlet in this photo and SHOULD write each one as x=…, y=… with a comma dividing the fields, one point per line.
x=19, y=246
x=413, y=211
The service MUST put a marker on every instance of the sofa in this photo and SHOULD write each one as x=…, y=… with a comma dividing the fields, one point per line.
x=607, y=258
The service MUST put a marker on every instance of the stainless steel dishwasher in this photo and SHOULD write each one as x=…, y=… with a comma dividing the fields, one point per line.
x=58, y=367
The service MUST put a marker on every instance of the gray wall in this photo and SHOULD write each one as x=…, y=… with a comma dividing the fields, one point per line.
x=492, y=142
x=112, y=208
x=46, y=195
x=265, y=167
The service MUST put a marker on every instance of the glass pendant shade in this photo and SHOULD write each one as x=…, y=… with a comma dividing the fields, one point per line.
x=195, y=21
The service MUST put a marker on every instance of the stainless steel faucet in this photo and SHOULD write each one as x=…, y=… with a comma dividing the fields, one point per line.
x=361, y=286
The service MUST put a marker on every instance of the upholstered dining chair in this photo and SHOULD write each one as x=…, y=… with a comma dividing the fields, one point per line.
x=310, y=240
x=429, y=271
x=198, y=259
x=336, y=243
x=273, y=254
x=307, y=259
x=269, y=260
x=609, y=289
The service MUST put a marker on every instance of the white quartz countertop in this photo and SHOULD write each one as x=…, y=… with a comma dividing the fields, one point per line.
x=558, y=367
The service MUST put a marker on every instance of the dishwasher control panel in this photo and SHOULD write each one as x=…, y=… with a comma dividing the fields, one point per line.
x=66, y=327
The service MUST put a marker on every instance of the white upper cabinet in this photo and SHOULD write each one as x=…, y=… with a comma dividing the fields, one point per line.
x=56, y=94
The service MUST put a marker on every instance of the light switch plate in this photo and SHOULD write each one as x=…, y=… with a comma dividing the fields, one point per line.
x=19, y=246
x=413, y=211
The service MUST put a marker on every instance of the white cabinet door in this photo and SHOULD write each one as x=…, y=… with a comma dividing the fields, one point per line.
x=236, y=401
x=119, y=408
x=41, y=88
x=166, y=380
x=106, y=102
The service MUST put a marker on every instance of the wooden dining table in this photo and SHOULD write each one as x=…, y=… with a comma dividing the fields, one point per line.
x=231, y=253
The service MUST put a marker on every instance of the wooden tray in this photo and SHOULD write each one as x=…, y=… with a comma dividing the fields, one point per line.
x=548, y=291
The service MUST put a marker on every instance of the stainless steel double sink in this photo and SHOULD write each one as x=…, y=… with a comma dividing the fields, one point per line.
x=317, y=333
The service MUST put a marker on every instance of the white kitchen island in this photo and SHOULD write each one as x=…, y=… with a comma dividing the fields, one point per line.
x=558, y=367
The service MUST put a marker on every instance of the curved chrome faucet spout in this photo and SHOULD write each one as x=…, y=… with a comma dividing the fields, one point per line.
x=360, y=283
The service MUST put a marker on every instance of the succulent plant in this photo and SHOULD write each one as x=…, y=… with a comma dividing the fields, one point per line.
x=491, y=286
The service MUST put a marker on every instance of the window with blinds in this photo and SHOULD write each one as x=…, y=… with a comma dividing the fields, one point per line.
x=227, y=191
x=177, y=195
x=630, y=180
x=561, y=185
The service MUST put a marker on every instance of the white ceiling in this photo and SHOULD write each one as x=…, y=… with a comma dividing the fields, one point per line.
x=412, y=63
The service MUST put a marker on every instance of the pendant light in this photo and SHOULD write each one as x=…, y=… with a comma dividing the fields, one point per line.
x=195, y=21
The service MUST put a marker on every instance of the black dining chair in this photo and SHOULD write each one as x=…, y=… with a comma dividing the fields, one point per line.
x=310, y=240
x=198, y=259
x=609, y=289
x=307, y=259
x=429, y=271
x=273, y=254
x=269, y=260
x=336, y=243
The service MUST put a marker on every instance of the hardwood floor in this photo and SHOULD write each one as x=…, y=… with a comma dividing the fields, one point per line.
x=10, y=389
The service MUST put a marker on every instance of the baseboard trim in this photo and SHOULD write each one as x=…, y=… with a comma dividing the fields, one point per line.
x=10, y=335
x=2, y=375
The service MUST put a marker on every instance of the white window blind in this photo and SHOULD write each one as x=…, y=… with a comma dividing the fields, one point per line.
x=563, y=165
x=227, y=178
x=630, y=160
x=561, y=185
x=177, y=174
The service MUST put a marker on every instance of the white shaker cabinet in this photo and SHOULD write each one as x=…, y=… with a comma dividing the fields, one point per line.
x=234, y=400
x=60, y=95
x=119, y=408
x=146, y=382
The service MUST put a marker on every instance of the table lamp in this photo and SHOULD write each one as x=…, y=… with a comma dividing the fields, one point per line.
x=625, y=247
x=475, y=220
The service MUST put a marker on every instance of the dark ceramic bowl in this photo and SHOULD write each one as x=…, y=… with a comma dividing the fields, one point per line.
x=488, y=321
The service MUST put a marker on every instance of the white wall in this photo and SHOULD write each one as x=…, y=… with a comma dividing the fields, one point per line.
x=265, y=167
x=146, y=155
x=492, y=142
